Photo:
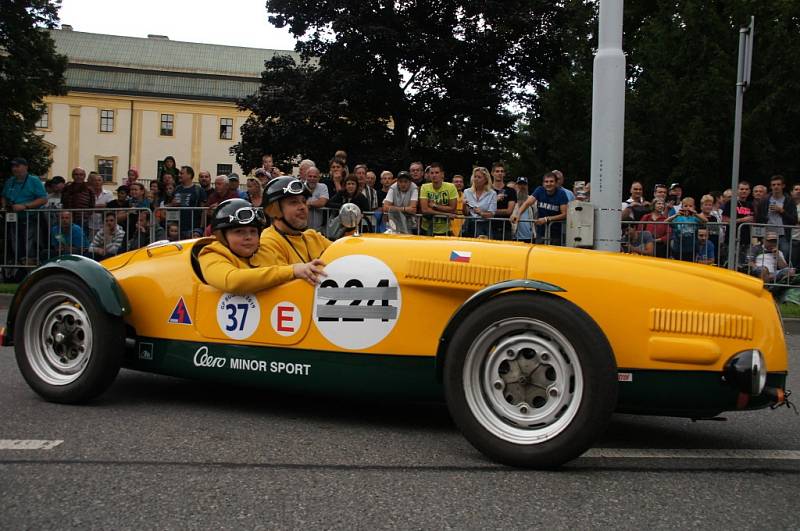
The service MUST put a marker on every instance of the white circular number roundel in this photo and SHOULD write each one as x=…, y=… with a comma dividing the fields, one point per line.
x=285, y=318
x=358, y=303
x=238, y=315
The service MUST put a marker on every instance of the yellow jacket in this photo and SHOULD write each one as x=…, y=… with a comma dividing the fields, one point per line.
x=290, y=249
x=232, y=274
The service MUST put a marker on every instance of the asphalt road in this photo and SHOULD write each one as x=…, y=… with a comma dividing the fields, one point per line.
x=158, y=452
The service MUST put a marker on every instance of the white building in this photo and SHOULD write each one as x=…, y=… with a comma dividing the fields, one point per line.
x=133, y=101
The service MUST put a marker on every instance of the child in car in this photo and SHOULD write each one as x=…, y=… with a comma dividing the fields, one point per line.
x=230, y=263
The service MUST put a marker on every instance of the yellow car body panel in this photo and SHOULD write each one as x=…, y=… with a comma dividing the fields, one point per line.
x=666, y=315
x=657, y=314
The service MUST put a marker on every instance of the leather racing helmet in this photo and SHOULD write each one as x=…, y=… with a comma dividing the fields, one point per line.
x=233, y=213
x=281, y=188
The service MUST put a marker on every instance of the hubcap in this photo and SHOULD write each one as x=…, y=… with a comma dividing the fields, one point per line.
x=58, y=338
x=523, y=380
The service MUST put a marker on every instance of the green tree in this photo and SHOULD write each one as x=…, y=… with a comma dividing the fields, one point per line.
x=392, y=81
x=30, y=69
x=679, y=106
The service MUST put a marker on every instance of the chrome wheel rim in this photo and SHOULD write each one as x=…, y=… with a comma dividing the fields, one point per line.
x=58, y=338
x=523, y=380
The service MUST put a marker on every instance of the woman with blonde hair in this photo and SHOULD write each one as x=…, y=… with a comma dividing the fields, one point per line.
x=254, y=191
x=480, y=204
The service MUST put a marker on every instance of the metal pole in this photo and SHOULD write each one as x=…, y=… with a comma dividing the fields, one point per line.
x=742, y=80
x=608, y=125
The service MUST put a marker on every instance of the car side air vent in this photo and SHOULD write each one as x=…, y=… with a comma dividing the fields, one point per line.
x=457, y=273
x=701, y=323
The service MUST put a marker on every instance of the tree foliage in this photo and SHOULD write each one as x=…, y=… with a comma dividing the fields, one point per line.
x=30, y=69
x=392, y=81
x=682, y=60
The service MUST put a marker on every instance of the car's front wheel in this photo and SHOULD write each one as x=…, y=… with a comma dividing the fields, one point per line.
x=67, y=347
x=530, y=380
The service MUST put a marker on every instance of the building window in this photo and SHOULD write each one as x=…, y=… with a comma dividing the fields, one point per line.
x=226, y=128
x=167, y=124
x=107, y=121
x=224, y=169
x=44, y=121
x=105, y=167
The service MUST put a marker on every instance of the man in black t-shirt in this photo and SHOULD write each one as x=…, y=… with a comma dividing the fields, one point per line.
x=745, y=213
x=189, y=195
x=506, y=201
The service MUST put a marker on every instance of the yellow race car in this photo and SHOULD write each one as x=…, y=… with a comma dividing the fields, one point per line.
x=532, y=347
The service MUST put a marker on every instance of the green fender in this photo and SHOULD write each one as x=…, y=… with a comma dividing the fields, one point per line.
x=98, y=279
x=476, y=300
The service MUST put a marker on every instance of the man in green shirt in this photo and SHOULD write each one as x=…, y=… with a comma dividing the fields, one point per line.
x=437, y=202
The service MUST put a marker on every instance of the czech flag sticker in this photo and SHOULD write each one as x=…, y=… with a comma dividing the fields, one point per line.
x=460, y=256
x=180, y=315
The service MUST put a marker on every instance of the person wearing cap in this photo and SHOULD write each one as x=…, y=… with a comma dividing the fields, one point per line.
x=21, y=193
x=674, y=198
x=230, y=263
x=123, y=197
x=233, y=186
x=25, y=191
x=54, y=188
x=400, y=204
x=770, y=264
x=288, y=240
x=551, y=209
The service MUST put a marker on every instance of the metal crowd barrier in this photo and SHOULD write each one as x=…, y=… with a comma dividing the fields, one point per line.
x=552, y=233
x=32, y=237
x=704, y=243
x=776, y=264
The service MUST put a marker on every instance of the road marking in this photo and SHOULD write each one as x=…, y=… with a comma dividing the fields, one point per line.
x=28, y=444
x=687, y=453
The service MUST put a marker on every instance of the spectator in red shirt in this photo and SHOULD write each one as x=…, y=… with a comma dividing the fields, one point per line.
x=654, y=224
x=77, y=193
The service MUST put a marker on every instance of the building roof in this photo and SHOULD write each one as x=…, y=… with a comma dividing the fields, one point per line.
x=160, y=67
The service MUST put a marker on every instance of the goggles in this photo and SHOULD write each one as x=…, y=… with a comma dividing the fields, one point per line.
x=246, y=215
x=294, y=187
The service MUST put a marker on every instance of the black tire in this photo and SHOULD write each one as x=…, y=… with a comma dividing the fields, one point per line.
x=530, y=380
x=68, y=348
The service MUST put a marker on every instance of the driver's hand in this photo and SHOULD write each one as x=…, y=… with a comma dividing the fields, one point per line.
x=311, y=271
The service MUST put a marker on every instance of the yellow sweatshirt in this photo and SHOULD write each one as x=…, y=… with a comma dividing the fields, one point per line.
x=232, y=274
x=290, y=249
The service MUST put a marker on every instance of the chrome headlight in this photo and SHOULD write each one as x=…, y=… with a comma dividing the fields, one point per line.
x=747, y=370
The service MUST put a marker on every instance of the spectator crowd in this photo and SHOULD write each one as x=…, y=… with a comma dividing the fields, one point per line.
x=46, y=219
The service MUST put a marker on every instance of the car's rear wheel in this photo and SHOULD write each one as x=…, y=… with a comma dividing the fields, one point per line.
x=67, y=347
x=530, y=380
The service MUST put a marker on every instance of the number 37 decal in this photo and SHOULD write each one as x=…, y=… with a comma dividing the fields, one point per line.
x=238, y=316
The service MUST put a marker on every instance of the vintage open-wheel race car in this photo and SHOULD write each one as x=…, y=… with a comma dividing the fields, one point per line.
x=533, y=347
